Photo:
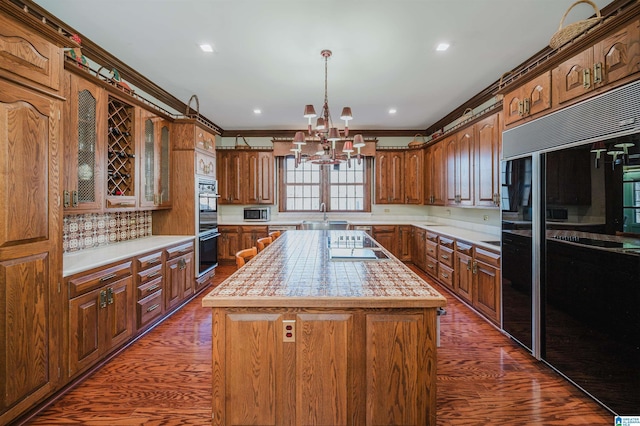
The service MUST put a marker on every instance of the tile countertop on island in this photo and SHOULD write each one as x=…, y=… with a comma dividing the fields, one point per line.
x=297, y=269
x=83, y=260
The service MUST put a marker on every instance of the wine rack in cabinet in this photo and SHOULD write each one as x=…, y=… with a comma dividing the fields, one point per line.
x=120, y=152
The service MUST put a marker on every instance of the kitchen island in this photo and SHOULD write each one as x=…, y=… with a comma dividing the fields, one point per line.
x=304, y=337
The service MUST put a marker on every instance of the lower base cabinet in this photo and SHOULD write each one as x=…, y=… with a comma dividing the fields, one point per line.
x=179, y=277
x=281, y=366
x=101, y=314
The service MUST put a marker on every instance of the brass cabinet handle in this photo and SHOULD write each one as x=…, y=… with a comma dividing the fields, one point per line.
x=74, y=198
x=109, y=296
x=469, y=265
x=445, y=276
x=153, y=287
x=153, y=275
x=430, y=266
x=526, y=106
x=103, y=299
x=586, y=78
x=521, y=108
x=475, y=267
x=66, y=199
x=153, y=308
x=108, y=277
x=182, y=264
x=444, y=256
x=597, y=73
x=154, y=261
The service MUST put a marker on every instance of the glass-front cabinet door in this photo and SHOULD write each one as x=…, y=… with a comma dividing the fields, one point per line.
x=154, y=161
x=84, y=142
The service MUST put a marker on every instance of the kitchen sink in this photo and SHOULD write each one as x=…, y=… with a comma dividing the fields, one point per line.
x=324, y=225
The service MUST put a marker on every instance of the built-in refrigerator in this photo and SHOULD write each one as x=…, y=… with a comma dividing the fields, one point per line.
x=571, y=244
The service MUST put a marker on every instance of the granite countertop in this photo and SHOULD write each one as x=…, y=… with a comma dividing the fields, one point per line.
x=83, y=260
x=295, y=270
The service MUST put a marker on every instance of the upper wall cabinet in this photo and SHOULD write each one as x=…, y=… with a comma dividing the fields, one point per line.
x=613, y=58
x=86, y=135
x=459, y=165
x=389, y=171
x=414, y=182
x=434, y=174
x=529, y=99
x=488, y=138
x=154, y=149
x=27, y=56
x=245, y=176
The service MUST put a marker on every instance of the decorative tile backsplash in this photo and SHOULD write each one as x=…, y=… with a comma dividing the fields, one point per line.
x=85, y=231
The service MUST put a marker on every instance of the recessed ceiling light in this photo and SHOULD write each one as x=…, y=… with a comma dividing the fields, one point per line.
x=206, y=48
x=257, y=111
x=442, y=47
x=392, y=111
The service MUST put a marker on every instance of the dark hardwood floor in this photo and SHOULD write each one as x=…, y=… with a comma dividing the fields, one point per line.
x=165, y=379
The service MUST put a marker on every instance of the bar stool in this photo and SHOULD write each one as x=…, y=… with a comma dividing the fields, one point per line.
x=244, y=256
x=261, y=243
x=274, y=234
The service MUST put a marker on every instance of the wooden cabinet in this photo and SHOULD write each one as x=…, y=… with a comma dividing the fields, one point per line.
x=463, y=266
x=180, y=274
x=418, y=247
x=609, y=60
x=154, y=160
x=228, y=243
x=250, y=235
x=568, y=177
x=446, y=271
x=488, y=138
x=100, y=314
x=31, y=300
x=246, y=177
x=86, y=134
x=431, y=249
x=434, y=175
x=149, y=285
x=332, y=367
x=389, y=177
x=487, y=285
x=260, y=185
x=414, y=181
x=459, y=150
x=386, y=236
x=405, y=242
x=186, y=163
x=529, y=99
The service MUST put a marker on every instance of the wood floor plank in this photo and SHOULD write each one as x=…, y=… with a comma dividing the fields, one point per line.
x=484, y=378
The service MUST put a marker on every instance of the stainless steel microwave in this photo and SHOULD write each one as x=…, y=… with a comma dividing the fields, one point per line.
x=257, y=214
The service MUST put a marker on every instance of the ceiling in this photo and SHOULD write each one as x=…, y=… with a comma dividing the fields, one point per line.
x=267, y=53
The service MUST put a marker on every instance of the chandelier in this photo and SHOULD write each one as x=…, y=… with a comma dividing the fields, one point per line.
x=326, y=134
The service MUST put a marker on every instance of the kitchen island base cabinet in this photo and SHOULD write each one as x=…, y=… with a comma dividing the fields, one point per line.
x=301, y=366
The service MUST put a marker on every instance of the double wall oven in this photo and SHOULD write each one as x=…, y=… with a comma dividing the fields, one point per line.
x=207, y=250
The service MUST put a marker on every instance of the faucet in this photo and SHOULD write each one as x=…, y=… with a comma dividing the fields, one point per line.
x=323, y=208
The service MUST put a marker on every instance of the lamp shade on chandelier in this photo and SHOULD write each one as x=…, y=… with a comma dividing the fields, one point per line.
x=325, y=133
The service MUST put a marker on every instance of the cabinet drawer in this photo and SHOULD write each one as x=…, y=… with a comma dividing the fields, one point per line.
x=81, y=284
x=487, y=257
x=445, y=256
x=447, y=242
x=432, y=249
x=149, y=274
x=149, y=287
x=383, y=228
x=149, y=260
x=445, y=275
x=255, y=229
x=121, y=202
x=431, y=266
x=466, y=248
x=149, y=308
x=179, y=250
x=204, y=280
x=432, y=237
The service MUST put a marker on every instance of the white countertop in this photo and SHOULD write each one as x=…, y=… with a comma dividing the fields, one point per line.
x=83, y=260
